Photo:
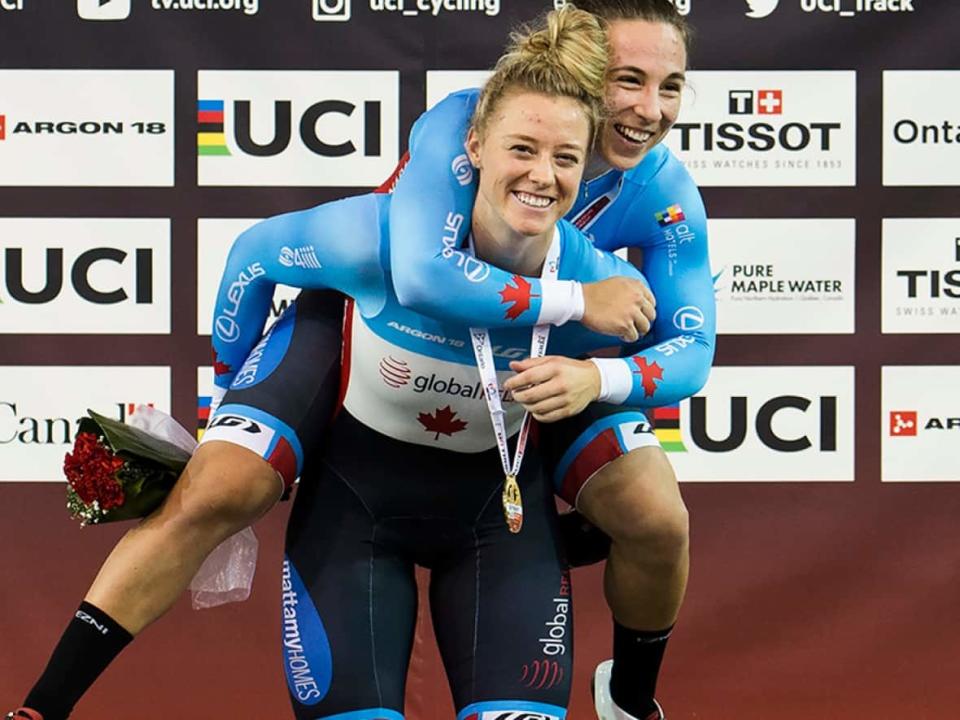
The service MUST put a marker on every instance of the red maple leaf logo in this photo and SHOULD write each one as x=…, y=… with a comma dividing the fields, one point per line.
x=519, y=296
x=650, y=373
x=220, y=368
x=445, y=421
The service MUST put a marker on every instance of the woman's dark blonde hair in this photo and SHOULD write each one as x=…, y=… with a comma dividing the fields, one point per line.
x=565, y=54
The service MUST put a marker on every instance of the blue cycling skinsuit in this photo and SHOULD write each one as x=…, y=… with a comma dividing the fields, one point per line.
x=409, y=475
x=654, y=207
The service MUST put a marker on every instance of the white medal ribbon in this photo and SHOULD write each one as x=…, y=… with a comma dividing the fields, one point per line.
x=483, y=351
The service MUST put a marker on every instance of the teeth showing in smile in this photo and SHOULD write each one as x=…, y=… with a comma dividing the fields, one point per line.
x=532, y=200
x=636, y=136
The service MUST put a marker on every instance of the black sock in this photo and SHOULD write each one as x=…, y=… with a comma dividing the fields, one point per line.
x=89, y=644
x=636, y=663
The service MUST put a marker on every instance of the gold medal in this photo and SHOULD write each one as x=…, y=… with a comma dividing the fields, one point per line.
x=512, y=504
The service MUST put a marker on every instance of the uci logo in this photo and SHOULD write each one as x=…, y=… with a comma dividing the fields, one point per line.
x=688, y=318
x=283, y=123
x=80, y=271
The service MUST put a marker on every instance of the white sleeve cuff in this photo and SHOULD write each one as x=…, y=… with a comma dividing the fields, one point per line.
x=561, y=301
x=616, y=380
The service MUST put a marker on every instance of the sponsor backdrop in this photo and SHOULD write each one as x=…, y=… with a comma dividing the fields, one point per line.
x=139, y=137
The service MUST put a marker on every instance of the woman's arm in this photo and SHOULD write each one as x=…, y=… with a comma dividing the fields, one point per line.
x=429, y=220
x=334, y=246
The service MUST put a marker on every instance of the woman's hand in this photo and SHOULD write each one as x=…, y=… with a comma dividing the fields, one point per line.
x=552, y=387
x=619, y=306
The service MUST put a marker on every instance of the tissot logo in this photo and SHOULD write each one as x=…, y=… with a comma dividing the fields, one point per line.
x=765, y=423
x=921, y=423
x=921, y=123
x=84, y=275
x=768, y=128
x=762, y=102
x=296, y=127
x=921, y=275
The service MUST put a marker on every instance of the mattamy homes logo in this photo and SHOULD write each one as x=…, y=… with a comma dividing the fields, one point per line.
x=85, y=275
x=215, y=236
x=87, y=127
x=921, y=275
x=784, y=276
x=765, y=424
x=920, y=427
x=41, y=406
x=921, y=127
x=768, y=128
x=297, y=127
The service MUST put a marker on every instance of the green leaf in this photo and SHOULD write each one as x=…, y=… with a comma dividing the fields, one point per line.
x=131, y=443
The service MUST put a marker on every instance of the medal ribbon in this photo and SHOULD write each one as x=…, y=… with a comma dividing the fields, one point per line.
x=592, y=212
x=483, y=352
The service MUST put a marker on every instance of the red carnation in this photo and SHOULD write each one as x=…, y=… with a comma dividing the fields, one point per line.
x=91, y=471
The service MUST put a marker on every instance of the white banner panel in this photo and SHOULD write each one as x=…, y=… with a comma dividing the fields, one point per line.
x=779, y=276
x=764, y=424
x=921, y=127
x=85, y=275
x=920, y=426
x=41, y=406
x=86, y=127
x=297, y=127
x=215, y=237
x=921, y=275
x=441, y=83
x=768, y=128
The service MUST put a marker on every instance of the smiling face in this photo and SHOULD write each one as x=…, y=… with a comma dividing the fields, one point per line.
x=531, y=155
x=644, y=85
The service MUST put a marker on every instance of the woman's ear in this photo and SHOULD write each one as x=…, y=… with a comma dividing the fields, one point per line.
x=473, y=146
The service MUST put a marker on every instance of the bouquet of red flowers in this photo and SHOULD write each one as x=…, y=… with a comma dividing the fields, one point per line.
x=117, y=471
x=120, y=471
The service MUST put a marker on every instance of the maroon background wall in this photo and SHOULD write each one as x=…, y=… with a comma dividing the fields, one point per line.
x=830, y=600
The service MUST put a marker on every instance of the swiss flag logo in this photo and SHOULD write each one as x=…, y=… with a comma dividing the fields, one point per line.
x=903, y=423
x=3, y=127
x=770, y=102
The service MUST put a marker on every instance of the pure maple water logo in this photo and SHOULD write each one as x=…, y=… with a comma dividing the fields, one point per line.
x=443, y=421
x=519, y=295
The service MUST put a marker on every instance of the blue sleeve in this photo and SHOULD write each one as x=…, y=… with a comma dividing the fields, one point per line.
x=429, y=220
x=679, y=349
x=335, y=246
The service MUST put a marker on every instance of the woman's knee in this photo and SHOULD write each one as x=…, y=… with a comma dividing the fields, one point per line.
x=223, y=484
